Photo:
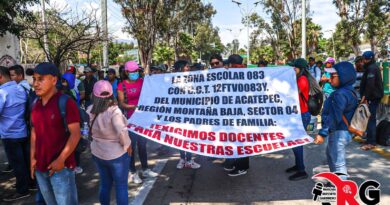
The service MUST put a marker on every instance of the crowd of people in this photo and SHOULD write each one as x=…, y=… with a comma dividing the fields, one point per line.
x=43, y=128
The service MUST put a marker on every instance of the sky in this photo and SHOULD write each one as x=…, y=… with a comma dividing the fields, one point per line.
x=227, y=19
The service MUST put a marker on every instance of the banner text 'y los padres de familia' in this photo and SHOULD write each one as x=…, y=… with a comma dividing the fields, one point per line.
x=225, y=113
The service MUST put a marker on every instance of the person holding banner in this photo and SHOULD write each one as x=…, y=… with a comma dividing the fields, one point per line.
x=300, y=65
x=110, y=146
x=129, y=91
x=240, y=166
x=185, y=157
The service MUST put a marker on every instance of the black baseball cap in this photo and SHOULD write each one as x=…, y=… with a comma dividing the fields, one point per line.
x=235, y=59
x=47, y=69
x=111, y=70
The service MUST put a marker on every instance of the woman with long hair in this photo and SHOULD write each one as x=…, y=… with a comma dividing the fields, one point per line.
x=300, y=65
x=111, y=145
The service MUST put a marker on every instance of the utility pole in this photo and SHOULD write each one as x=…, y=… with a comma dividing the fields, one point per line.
x=247, y=34
x=105, y=33
x=334, y=50
x=303, y=29
x=45, y=41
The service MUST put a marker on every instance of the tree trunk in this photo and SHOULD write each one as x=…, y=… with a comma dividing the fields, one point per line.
x=356, y=49
x=373, y=44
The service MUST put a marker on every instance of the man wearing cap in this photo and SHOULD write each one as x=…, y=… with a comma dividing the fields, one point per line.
x=371, y=92
x=314, y=70
x=158, y=69
x=341, y=104
x=89, y=82
x=240, y=166
x=52, y=147
x=13, y=132
x=111, y=77
x=262, y=63
x=235, y=61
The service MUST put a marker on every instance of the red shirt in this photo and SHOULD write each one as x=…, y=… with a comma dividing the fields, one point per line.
x=303, y=86
x=50, y=132
x=133, y=92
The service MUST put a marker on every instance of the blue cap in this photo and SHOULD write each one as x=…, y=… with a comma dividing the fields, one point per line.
x=368, y=54
x=47, y=69
x=111, y=70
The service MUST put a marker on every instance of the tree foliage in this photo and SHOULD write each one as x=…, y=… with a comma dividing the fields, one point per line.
x=11, y=13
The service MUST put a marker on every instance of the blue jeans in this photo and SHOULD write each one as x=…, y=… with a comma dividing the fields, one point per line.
x=371, y=126
x=335, y=151
x=113, y=171
x=60, y=188
x=18, y=152
x=186, y=156
x=298, y=151
x=140, y=142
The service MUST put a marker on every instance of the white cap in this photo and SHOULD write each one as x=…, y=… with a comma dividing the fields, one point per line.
x=331, y=70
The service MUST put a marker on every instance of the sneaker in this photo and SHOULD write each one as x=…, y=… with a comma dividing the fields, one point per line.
x=181, y=164
x=15, y=196
x=292, y=169
x=298, y=176
x=192, y=164
x=78, y=170
x=8, y=169
x=229, y=168
x=135, y=178
x=237, y=172
x=149, y=173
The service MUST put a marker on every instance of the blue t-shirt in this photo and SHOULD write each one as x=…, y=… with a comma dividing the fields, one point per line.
x=115, y=87
x=328, y=88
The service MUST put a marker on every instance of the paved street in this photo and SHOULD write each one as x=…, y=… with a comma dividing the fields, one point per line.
x=265, y=183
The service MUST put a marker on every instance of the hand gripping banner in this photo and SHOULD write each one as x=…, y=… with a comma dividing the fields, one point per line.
x=224, y=113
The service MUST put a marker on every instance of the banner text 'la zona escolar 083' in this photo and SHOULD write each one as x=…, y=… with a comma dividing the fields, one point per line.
x=224, y=113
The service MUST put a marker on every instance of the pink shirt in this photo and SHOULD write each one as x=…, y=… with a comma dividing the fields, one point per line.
x=109, y=133
x=133, y=91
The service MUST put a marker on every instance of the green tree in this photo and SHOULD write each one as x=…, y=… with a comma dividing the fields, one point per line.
x=11, y=13
x=284, y=15
x=351, y=26
x=207, y=40
x=163, y=54
x=377, y=23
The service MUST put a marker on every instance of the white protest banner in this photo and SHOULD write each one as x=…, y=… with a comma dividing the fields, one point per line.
x=224, y=113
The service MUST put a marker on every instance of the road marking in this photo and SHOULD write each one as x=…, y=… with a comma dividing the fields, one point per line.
x=148, y=183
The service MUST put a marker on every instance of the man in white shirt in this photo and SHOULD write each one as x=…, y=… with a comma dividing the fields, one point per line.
x=314, y=70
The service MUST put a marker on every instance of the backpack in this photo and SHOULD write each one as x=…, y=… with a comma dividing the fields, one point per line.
x=316, y=98
x=31, y=99
x=383, y=133
x=359, y=120
x=83, y=143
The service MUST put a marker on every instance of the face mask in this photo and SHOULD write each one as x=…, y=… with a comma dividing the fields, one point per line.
x=133, y=76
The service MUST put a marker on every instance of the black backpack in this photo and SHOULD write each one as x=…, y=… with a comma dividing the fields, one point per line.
x=383, y=133
x=316, y=98
x=31, y=99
